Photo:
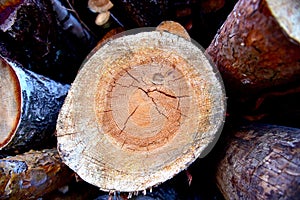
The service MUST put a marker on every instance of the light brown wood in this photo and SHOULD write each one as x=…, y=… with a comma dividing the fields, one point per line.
x=173, y=27
x=102, y=18
x=10, y=98
x=100, y=5
x=142, y=108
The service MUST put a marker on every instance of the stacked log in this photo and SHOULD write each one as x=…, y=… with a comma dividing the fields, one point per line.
x=257, y=48
x=257, y=53
x=29, y=107
x=260, y=162
x=32, y=175
x=45, y=37
x=154, y=105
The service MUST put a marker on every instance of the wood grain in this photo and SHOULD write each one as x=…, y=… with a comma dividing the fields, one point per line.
x=142, y=108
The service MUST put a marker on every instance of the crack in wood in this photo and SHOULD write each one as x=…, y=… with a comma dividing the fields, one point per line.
x=152, y=99
x=130, y=115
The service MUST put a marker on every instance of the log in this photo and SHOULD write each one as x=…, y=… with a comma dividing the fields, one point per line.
x=154, y=104
x=257, y=48
x=261, y=162
x=46, y=37
x=32, y=174
x=29, y=108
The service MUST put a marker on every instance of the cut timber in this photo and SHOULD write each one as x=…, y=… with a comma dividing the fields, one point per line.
x=142, y=108
x=261, y=162
x=32, y=174
x=258, y=46
x=45, y=36
x=29, y=107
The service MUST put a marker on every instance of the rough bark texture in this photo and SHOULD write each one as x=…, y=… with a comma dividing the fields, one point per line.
x=32, y=174
x=29, y=108
x=44, y=36
x=253, y=52
x=155, y=105
x=261, y=162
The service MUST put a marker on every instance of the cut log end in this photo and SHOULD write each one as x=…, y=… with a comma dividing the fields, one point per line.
x=288, y=16
x=10, y=98
x=148, y=103
x=153, y=105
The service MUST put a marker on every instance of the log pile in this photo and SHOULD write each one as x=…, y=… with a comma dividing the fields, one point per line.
x=144, y=115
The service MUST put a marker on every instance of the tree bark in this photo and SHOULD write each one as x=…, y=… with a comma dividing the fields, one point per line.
x=153, y=105
x=143, y=13
x=29, y=108
x=44, y=36
x=261, y=162
x=252, y=50
x=32, y=174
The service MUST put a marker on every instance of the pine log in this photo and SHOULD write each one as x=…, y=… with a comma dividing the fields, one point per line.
x=29, y=108
x=261, y=162
x=257, y=48
x=32, y=174
x=142, y=108
x=44, y=36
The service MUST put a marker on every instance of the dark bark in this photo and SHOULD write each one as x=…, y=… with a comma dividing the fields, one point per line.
x=261, y=162
x=38, y=101
x=143, y=13
x=45, y=37
x=32, y=174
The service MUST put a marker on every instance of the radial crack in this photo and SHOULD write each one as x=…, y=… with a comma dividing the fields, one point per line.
x=152, y=99
x=130, y=115
x=132, y=76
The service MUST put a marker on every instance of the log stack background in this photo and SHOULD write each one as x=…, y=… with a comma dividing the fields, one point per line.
x=52, y=38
